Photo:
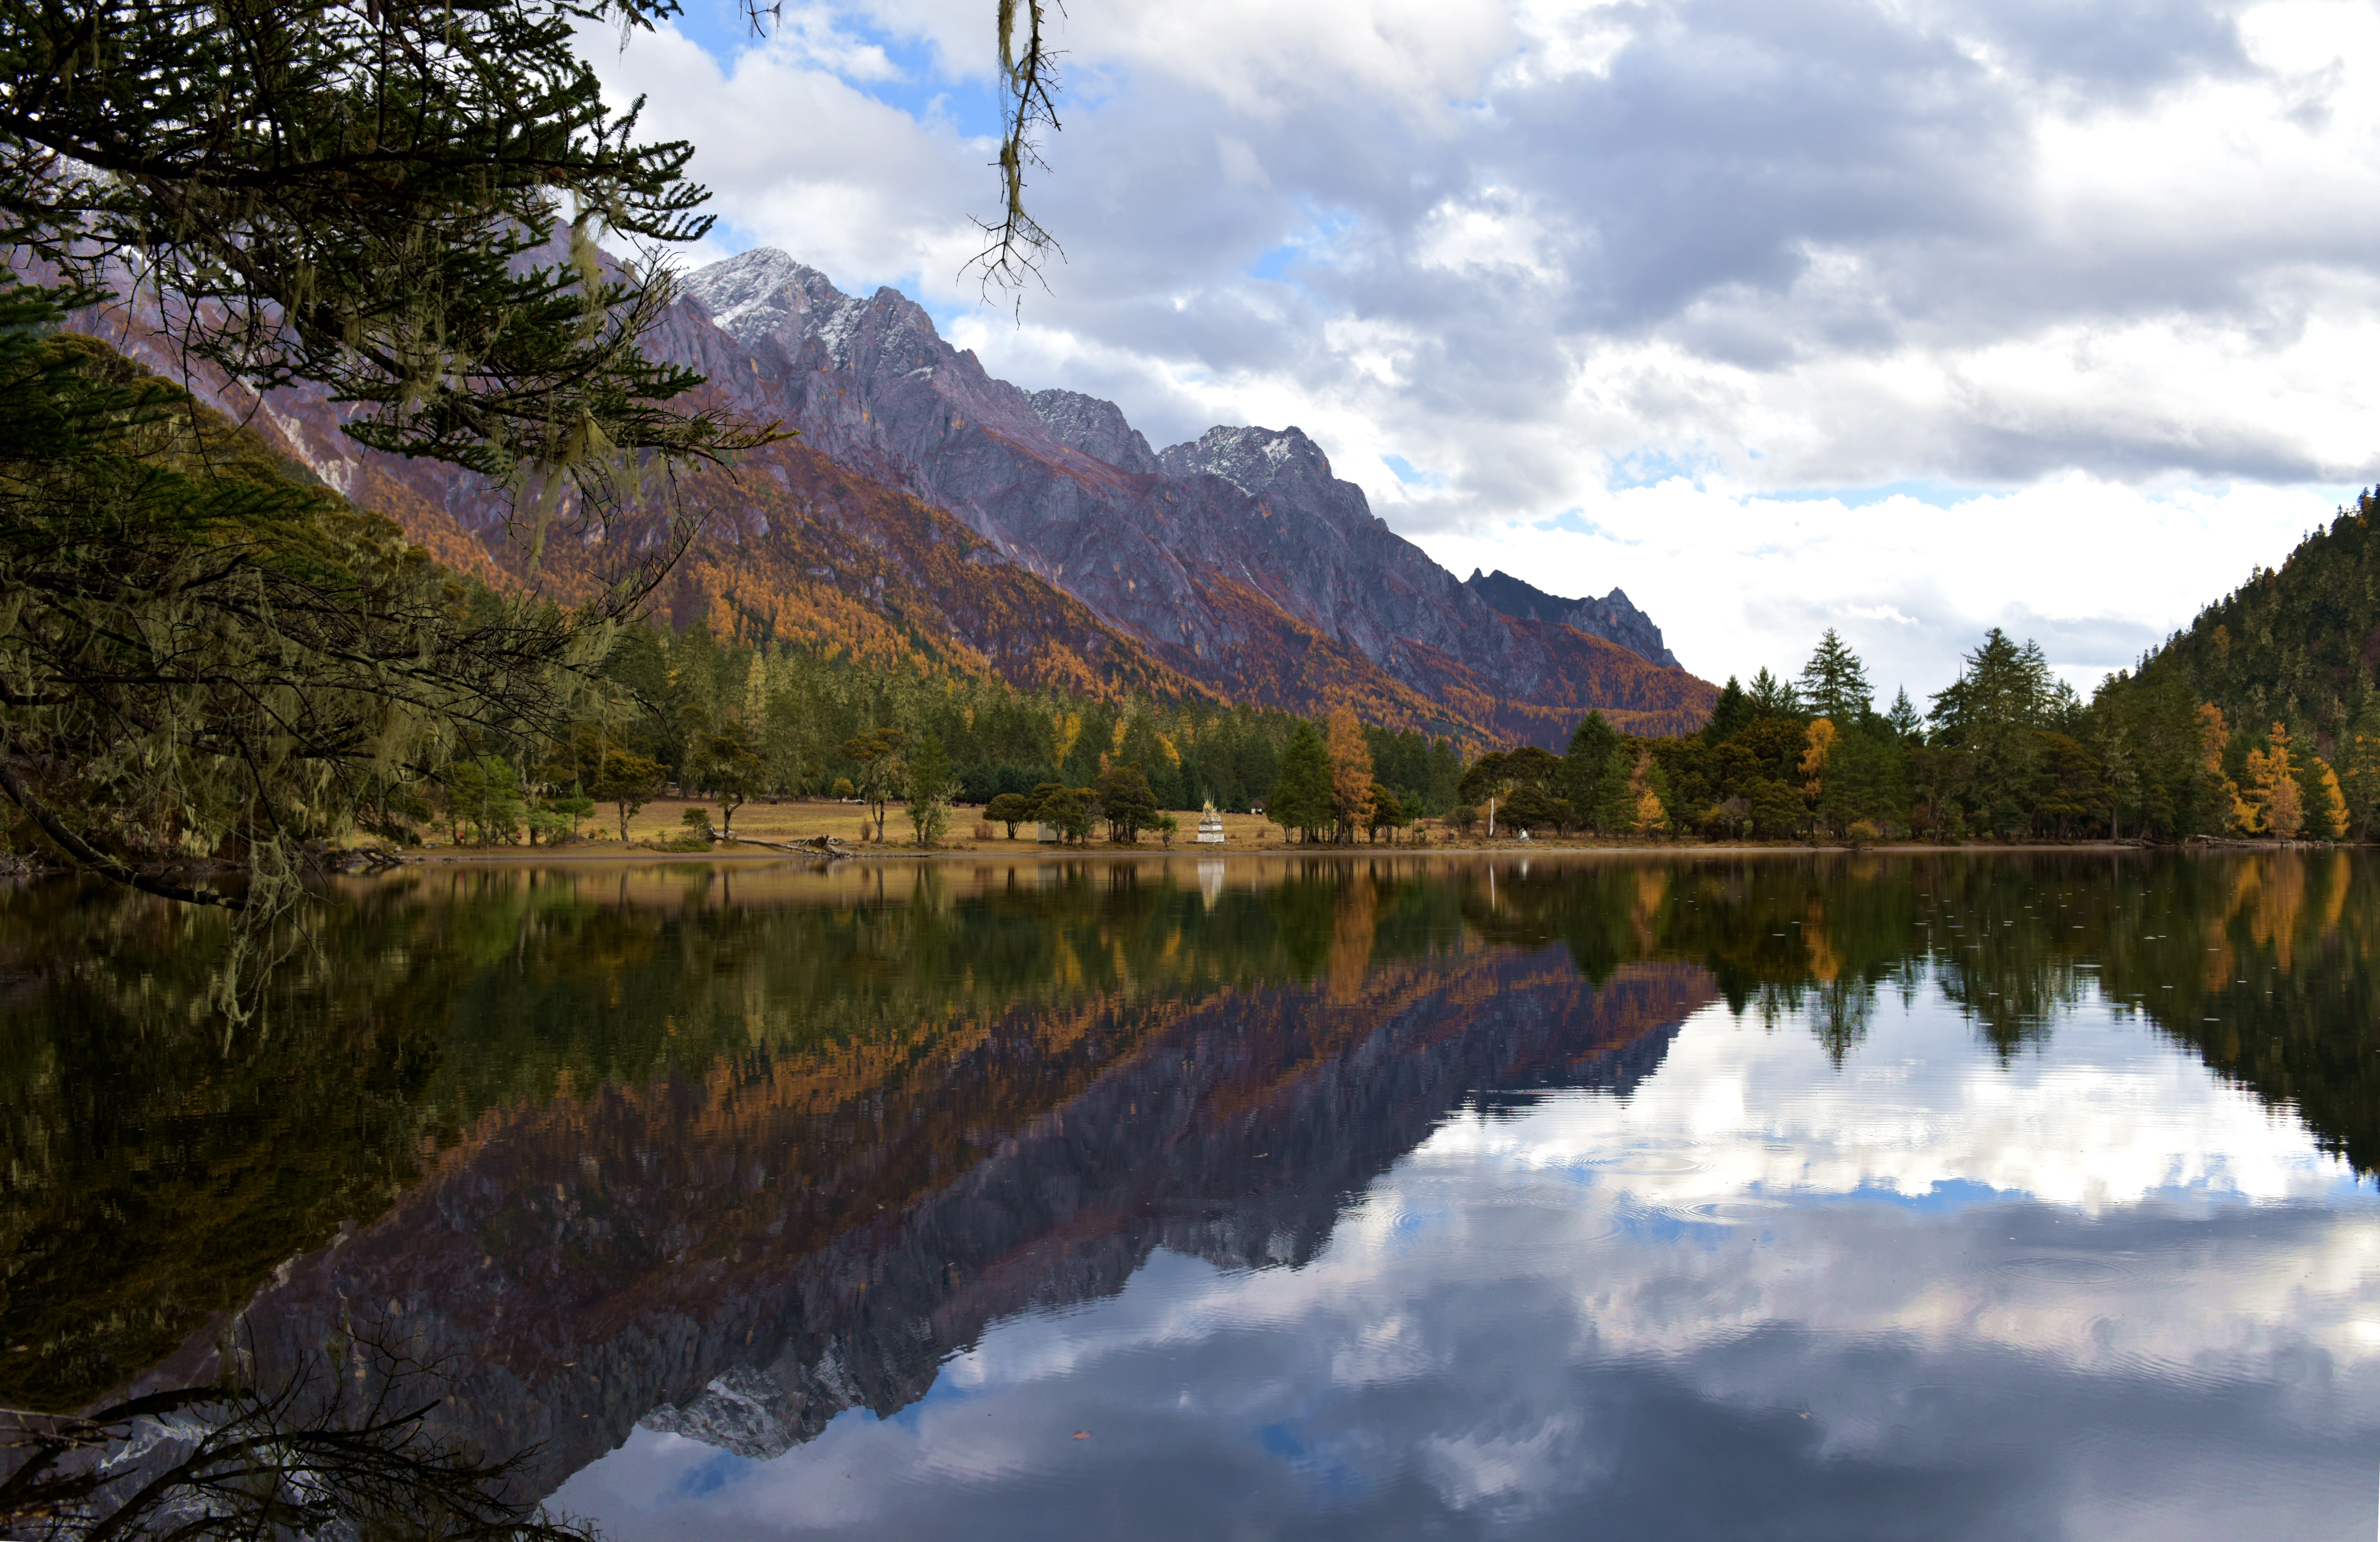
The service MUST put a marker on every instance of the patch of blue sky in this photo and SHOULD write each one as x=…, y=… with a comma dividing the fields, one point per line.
x=1411, y=1225
x=1947, y=1196
x=948, y=313
x=1278, y=1440
x=917, y=83
x=970, y=107
x=1335, y=1466
x=1672, y=1229
x=1930, y=490
x=1310, y=243
x=1273, y=264
x=719, y=27
x=710, y=1476
x=945, y=1389
x=1650, y=469
x=1410, y=475
x=1575, y=521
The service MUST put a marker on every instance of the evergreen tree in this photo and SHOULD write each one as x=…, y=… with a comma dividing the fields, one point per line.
x=1834, y=682
x=1772, y=697
x=1733, y=713
x=1613, y=801
x=1125, y=802
x=1491, y=776
x=2360, y=778
x=1585, y=769
x=364, y=198
x=201, y=650
x=1301, y=790
x=1905, y=723
x=1988, y=719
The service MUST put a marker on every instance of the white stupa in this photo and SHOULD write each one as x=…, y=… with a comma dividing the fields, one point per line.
x=1210, y=826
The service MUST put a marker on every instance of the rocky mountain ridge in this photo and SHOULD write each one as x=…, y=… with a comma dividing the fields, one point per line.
x=1228, y=555
x=929, y=517
x=1614, y=617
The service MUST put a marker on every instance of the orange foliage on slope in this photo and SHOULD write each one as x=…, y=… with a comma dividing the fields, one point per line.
x=803, y=550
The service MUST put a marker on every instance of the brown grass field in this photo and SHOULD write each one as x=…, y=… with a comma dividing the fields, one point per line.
x=659, y=823
x=799, y=818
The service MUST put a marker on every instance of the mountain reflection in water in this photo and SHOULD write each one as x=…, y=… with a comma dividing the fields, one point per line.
x=1845, y=1197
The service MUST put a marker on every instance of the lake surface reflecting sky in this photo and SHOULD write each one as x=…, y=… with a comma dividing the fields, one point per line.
x=1958, y=1196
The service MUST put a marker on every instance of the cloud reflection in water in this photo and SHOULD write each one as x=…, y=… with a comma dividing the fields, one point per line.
x=2091, y=1290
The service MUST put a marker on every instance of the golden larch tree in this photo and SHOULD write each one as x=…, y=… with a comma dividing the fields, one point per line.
x=1645, y=795
x=2214, y=738
x=1351, y=772
x=2272, y=792
x=2330, y=813
x=1816, y=748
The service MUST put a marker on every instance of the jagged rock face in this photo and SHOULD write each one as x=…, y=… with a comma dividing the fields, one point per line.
x=1238, y=558
x=1271, y=463
x=1096, y=429
x=1614, y=617
x=766, y=293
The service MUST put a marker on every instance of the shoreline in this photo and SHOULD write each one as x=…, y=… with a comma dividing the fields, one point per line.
x=442, y=856
x=614, y=852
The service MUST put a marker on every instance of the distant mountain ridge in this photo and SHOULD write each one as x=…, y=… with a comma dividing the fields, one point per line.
x=930, y=515
x=1614, y=617
x=1232, y=556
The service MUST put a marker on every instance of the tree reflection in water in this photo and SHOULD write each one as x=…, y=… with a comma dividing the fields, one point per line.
x=342, y=1448
x=614, y=1134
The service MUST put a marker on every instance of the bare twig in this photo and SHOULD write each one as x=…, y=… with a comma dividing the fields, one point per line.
x=1016, y=244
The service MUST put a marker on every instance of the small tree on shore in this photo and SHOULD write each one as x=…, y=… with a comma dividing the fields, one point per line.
x=730, y=763
x=627, y=781
x=2331, y=808
x=927, y=788
x=1646, y=784
x=1011, y=809
x=1125, y=802
x=878, y=754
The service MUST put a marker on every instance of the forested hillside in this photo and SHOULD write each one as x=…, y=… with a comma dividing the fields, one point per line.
x=2297, y=645
x=2275, y=676
x=799, y=709
x=2210, y=739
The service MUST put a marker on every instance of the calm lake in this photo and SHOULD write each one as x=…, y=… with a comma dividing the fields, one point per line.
x=2022, y=1196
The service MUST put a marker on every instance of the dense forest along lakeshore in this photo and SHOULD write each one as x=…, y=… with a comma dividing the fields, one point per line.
x=1707, y=1194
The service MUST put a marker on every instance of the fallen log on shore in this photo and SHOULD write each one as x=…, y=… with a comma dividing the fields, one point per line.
x=824, y=846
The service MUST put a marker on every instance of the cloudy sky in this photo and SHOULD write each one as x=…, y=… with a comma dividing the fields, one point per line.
x=1903, y=317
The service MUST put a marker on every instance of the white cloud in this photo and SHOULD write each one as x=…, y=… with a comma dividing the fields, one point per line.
x=2113, y=266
